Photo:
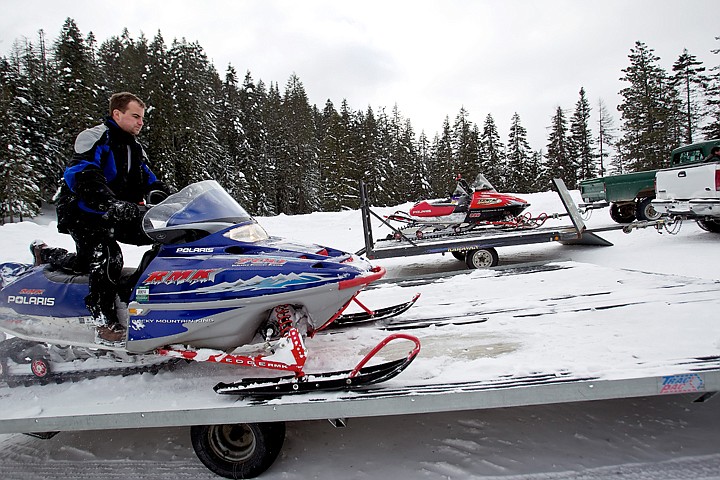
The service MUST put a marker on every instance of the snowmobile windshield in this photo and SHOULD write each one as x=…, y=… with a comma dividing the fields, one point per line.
x=481, y=183
x=459, y=192
x=204, y=202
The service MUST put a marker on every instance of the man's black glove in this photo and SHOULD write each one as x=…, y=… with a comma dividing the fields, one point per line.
x=122, y=211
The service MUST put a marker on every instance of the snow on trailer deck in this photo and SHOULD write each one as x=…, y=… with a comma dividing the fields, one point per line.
x=621, y=334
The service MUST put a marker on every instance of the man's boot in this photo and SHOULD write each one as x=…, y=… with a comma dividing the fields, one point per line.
x=36, y=248
x=108, y=329
x=112, y=334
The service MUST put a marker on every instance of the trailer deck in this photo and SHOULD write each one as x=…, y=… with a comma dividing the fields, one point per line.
x=472, y=358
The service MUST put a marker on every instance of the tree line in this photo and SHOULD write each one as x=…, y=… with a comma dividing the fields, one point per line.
x=276, y=153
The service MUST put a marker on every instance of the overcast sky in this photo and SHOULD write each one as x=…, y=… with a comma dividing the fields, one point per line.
x=429, y=57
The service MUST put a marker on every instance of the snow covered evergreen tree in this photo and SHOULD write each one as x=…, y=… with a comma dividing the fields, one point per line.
x=443, y=169
x=712, y=96
x=158, y=132
x=298, y=165
x=649, y=129
x=192, y=83
x=404, y=157
x=34, y=116
x=690, y=81
x=77, y=100
x=333, y=157
x=466, y=146
x=519, y=158
x=19, y=192
x=368, y=151
x=582, y=154
x=258, y=168
x=492, y=155
x=231, y=172
x=421, y=178
x=558, y=158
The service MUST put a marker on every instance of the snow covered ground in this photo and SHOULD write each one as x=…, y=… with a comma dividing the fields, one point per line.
x=665, y=437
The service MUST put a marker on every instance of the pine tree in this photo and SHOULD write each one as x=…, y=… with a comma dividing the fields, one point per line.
x=443, y=170
x=35, y=117
x=76, y=93
x=123, y=62
x=421, y=180
x=19, y=191
x=384, y=163
x=259, y=170
x=298, y=161
x=193, y=84
x=492, y=155
x=690, y=81
x=559, y=160
x=404, y=157
x=158, y=131
x=332, y=157
x=232, y=172
x=606, y=136
x=368, y=151
x=712, y=96
x=519, y=157
x=582, y=155
x=466, y=146
x=649, y=129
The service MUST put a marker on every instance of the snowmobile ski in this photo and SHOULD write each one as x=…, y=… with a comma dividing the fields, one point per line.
x=367, y=315
x=361, y=375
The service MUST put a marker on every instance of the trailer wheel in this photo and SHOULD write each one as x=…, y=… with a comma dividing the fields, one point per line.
x=709, y=225
x=243, y=450
x=623, y=213
x=481, y=258
x=645, y=210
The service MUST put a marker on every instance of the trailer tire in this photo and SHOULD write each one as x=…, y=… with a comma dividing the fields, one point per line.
x=623, y=213
x=710, y=225
x=481, y=258
x=645, y=210
x=243, y=450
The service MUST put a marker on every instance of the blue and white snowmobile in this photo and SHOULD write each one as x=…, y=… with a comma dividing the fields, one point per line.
x=214, y=283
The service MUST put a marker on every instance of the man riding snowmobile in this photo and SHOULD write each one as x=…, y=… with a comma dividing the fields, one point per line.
x=98, y=206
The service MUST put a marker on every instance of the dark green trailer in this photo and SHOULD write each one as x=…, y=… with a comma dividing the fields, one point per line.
x=630, y=195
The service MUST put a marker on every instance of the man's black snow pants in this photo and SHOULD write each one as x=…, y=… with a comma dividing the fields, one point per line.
x=100, y=256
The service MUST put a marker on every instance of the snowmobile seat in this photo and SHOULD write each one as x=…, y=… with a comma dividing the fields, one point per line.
x=60, y=275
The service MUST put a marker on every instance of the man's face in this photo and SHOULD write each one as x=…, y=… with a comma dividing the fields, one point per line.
x=131, y=120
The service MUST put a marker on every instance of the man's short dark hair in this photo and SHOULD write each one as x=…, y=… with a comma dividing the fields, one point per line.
x=120, y=101
x=714, y=150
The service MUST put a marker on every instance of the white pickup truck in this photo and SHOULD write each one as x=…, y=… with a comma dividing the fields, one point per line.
x=691, y=191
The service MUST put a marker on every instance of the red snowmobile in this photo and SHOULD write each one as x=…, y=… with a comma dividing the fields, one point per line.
x=469, y=207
